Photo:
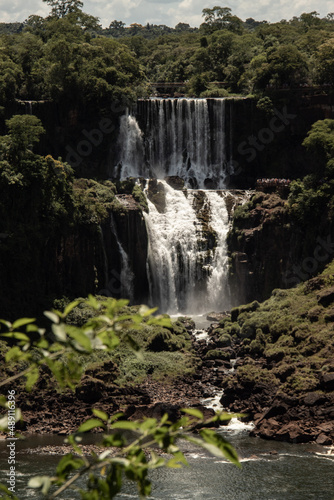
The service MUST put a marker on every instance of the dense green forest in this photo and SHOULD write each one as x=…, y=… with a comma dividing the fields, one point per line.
x=68, y=55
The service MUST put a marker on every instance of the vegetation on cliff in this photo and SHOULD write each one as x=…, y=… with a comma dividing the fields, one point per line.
x=44, y=211
x=285, y=361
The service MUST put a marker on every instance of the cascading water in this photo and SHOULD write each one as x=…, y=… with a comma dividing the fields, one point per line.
x=187, y=254
x=182, y=137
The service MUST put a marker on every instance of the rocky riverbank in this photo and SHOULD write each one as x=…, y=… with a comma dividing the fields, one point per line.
x=272, y=361
x=284, y=359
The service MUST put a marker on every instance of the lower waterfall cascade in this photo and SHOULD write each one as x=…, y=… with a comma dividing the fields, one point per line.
x=188, y=139
x=187, y=257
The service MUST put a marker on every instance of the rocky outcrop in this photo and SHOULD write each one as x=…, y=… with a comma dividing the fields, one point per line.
x=283, y=376
x=131, y=230
x=269, y=248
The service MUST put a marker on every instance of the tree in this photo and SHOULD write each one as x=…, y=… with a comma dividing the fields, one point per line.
x=219, y=18
x=109, y=325
x=24, y=132
x=310, y=19
x=325, y=63
x=287, y=66
x=60, y=8
x=116, y=28
x=320, y=143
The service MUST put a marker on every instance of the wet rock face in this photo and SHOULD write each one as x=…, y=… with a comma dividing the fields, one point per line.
x=156, y=194
x=131, y=230
x=175, y=182
x=260, y=245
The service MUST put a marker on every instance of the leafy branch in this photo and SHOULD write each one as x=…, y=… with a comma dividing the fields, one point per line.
x=133, y=458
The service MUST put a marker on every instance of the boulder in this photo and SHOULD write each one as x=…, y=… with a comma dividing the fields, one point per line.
x=175, y=182
x=327, y=380
x=326, y=297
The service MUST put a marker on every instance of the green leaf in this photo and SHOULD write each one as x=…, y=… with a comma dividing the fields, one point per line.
x=116, y=440
x=148, y=423
x=40, y=482
x=193, y=412
x=116, y=416
x=16, y=335
x=224, y=415
x=81, y=338
x=14, y=354
x=177, y=461
x=42, y=344
x=216, y=440
x=92, y=302
x=52, y=316
x=100, y=414
x=90, y=424
x=32, y=378
x=67, y=464
x=59, y=332
x=9, y=494
x=70, y=307
x=144, y=311
x=22, y=322
x=6, y=323
x=125, y=424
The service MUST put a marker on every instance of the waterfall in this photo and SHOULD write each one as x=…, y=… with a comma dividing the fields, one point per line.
x=187, y=259
x=176, y=137
x=187, y=265
x=126, y=276
x=218, y=292
x=130, y=143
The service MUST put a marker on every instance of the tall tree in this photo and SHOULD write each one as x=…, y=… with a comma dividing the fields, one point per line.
x=60, y=8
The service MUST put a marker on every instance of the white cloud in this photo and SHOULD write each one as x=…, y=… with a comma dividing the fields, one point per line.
x=169, y=12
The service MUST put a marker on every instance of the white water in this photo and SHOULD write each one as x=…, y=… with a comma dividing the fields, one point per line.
x=187, y=255
x=181, y=137
x=186, y=275
x=217, y=283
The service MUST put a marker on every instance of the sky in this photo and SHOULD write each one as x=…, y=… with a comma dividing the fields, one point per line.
x=169, y=12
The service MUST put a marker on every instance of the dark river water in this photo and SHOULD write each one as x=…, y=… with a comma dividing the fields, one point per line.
x=270, y=471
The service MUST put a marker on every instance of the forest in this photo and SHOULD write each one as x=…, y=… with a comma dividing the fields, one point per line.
x=68, y=55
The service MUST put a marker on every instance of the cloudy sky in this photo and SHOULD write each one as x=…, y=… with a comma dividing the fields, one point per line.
x=170, y=12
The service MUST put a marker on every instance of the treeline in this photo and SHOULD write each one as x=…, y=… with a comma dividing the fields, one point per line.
x=68, y=56
x=248, y=57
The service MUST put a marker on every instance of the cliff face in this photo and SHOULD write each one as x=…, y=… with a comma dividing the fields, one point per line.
x=72, y=261
x=269, y=249
x=258, y=143
x=266, y=143
x=133, y=237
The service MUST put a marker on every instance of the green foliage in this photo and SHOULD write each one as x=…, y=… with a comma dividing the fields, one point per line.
x=218, y=354
x=105, y=330
x=61, y=8
x=139, y=196
x=291, y=331
x=24, y=131
x=320, y=143
x=324, y=62
x=266, y=105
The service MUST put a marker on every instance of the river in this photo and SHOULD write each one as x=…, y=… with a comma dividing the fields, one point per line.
x=270, y=471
